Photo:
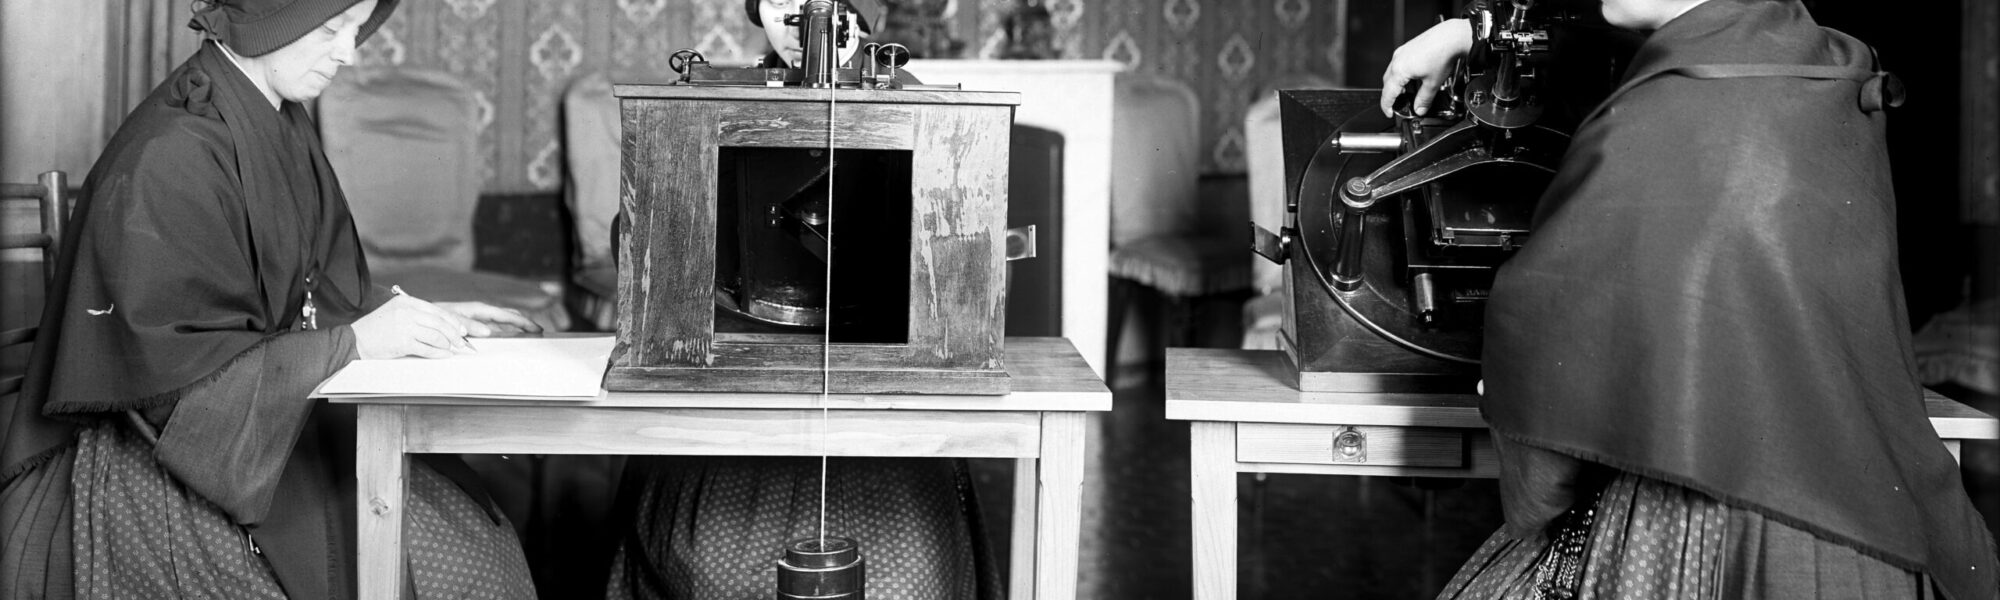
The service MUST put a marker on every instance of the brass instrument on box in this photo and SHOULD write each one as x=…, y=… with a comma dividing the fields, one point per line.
x=823, y=37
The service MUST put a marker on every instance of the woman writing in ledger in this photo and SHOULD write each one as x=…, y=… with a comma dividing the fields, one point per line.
x=163, y=445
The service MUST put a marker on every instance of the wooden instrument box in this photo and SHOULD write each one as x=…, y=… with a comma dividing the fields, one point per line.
x=679, y=145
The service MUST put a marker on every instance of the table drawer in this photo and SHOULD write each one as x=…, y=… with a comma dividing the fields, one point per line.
x=1351, y=445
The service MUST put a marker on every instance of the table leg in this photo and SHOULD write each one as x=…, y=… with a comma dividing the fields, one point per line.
x=1021, y=562
x=1212, y=483
x=380, y=468
x=1058, y=527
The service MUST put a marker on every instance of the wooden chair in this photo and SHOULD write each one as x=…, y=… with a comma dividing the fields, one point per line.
x=53, y=199
x=405, y=144
x=1160, y=238
x=592, y=158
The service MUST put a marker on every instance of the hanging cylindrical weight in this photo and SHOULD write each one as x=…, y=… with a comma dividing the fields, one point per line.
x=812, y=570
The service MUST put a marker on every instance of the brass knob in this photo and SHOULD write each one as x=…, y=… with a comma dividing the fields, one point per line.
x=1350, y=445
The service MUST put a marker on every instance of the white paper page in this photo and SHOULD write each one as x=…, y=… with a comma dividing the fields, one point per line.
x=503, y=367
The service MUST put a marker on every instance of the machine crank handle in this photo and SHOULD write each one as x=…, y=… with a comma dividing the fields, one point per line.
x=685, y=61
x=1406, y=100
x=1274, y=247
x=1357, y=143
x=1021, y=243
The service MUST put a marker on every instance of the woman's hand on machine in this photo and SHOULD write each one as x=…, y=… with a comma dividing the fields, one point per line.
x=1424, y=63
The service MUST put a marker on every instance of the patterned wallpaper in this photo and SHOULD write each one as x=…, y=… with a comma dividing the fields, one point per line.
x=520, y=54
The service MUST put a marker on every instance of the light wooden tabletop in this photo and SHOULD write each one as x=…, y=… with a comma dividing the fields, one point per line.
x=1047, y=375
x=1254, y=386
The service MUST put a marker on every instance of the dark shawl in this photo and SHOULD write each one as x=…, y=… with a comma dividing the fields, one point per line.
x=1712, y=296
x=179, y=293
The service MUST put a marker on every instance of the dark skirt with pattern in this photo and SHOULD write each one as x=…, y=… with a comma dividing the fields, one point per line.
x=1648, y=539
x=35, y=528
x=139, y=534
x=714, y=528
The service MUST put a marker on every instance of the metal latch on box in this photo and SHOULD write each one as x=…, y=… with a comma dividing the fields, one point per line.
x=1021, y=242
x=1274, y=247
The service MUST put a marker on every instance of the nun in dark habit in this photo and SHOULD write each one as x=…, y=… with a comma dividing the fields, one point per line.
x=163, y=445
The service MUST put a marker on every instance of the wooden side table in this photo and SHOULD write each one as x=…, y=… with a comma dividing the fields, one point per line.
x=1041, y=424
x=1245, y=418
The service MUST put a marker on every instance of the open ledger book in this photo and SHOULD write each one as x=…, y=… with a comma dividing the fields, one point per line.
x=518, y=367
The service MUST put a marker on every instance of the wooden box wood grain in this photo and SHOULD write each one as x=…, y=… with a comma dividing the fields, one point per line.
x=673, y=139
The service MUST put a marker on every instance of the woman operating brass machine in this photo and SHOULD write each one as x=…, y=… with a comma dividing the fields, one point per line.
x=1397, y=223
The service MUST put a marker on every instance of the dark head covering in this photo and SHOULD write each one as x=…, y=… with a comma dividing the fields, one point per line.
x=870, y=12
x=256, y=27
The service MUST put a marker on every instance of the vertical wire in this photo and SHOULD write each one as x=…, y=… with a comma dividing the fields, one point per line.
x=1396, y=29
x=826, y=329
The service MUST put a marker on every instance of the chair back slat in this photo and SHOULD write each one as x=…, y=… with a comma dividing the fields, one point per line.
x=25, y=240
x=52, y=195
x=21, y=190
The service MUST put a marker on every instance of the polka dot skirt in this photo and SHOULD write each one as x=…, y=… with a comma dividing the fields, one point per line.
x=1654, y=540
x=714, y=528
x=454, y=549
x=140, y=535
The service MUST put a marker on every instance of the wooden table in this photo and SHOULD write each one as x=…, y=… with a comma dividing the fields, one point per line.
x=1244, y=417
x=1041, y=424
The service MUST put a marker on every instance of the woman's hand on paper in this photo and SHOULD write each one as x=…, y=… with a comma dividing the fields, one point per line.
x=406, y=326
x=488, y=320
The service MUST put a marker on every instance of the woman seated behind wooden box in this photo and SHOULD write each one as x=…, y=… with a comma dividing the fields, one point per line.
x=714, y=527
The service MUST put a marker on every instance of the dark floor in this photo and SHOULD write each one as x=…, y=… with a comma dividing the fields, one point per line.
x=1300, y=536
